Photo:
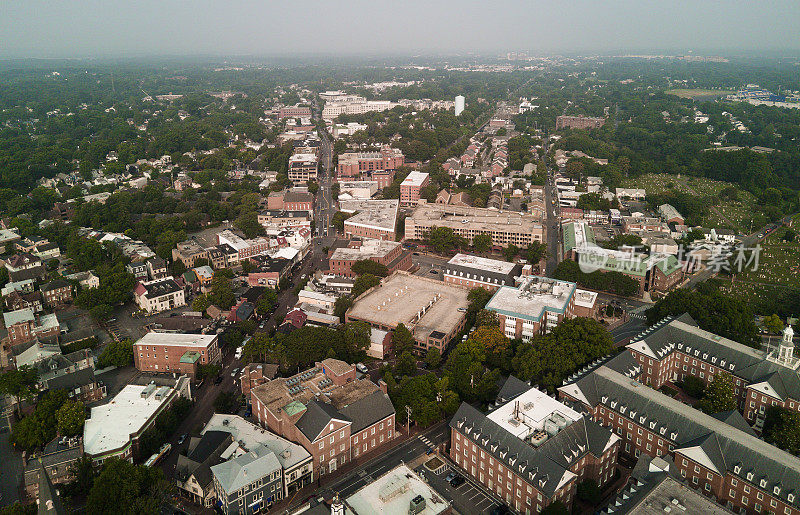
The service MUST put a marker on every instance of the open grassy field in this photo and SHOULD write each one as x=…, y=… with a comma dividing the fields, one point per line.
x=734, y=214
x=777, y=270
x=699, y=94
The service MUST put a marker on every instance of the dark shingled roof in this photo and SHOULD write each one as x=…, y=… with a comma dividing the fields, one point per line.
x=512, y=388
x=80, y=377
x=317, y=417
x=543, y=466
x=729, y=448
x=368, y=410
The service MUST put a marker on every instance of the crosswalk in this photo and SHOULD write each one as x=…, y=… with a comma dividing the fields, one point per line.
x=637, y=316
x=426, y=441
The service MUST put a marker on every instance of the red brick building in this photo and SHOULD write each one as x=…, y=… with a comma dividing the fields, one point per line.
x=254, y=374
x=411, y=186
x=56, y=292
x=379, y=166
x=333, y=415
x=294, y=112
x=531, y=450
x=676, y=348
x=175, y=352
x=344, y=254
x=291, y=200
x=720, y=456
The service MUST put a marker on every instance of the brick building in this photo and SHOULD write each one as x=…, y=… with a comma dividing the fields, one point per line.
x=333, y=415
x=56, y=292
x=411, y=186
x=175, y=352
x=720, y=456
x=254, y=374
x=302, y=168
x=379, y=166
x=188, y=252
x=23, y=325
x=376, y=219
x=294, y=199
x=531, y=450
x=676, y=348
x=538, y=305
x=343, y=254
x=294, y=112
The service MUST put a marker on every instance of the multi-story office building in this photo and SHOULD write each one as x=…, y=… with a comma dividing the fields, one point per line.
x=175, y=352
x=333, y=415
x=294, y=112
x=302, y=168
x=480, y=272
x=531, y=450
x=411, y=186
x=343, y=254
x=188, y=252
x=375, y=219
x=378, y=166
x=539, y=304
x=505, y=228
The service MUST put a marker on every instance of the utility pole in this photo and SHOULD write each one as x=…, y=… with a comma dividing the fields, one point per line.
x=408, y=419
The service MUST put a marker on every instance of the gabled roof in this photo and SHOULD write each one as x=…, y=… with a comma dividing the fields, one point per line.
x=368, y=410
x=512, y=387
x=545, y=467
x=245, y=469
x=317, y=417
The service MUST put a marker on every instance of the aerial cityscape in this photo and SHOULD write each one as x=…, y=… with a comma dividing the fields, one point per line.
x=518, y=259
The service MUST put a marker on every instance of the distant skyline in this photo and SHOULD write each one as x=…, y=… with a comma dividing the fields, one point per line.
x=116, y=28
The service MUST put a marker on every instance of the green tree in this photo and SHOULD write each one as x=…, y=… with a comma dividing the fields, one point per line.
x=693, y=386
x=535, y=252
x=555, y=508
x=267, y=301
x=719, y=395
x=364, y=283
x=510, y=252
x=573, y=343
x=782, y=429
x=313, y=187
x=20, y=384
x=221, y=294
x=70, y=418
x=116, y=354
x=773, y=324
x=125, y=488
x=207, y=370
x=406, y=365
x=433, y=357
x=227, y=402
x=341, y=306
x=368, y=266
x=201, y=303
x=482, y=242
x=38, y=428
x=486, y=317
x=589, y=492
x=402, y=340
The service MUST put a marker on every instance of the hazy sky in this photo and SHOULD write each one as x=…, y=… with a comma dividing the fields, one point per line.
x=69, y=28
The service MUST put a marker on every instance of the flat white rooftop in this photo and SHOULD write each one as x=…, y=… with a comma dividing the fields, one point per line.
x=391, y=494
x=373, y=214
x=110, y=426
x=368, y=248
x=585, y=299
x=177, y=339
x=248, y=436
x=532, y=298
x=529, y=413
x=482, y=263
x=414, y=178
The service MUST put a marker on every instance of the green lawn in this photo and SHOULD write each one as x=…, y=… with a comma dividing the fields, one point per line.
x=739, y=211
x=698, y=94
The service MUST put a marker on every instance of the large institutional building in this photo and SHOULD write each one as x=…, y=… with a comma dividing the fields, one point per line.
x=376, y=219
x=378, y=166
x=719, y=455
x=505, y=228
x=175, y=352
x=480, y=272
x=531, y=450
x=538, y=304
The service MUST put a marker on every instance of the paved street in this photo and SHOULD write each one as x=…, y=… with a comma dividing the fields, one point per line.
x=11, y=472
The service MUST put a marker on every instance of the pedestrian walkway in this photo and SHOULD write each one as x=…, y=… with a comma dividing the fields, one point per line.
x=426, y=441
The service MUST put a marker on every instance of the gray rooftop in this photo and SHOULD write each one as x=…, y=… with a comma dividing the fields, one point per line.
x=243, y=470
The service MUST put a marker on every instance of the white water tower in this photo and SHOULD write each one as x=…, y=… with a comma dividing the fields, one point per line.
x=459, y=104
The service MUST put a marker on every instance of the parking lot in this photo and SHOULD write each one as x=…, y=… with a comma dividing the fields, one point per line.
x=466, y=497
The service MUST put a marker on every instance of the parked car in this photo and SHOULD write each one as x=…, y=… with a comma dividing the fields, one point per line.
x=181, y=439
x=218, y=380
x=234, y=372
x=362, y=368
x=457, y=481
x=450, y=476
